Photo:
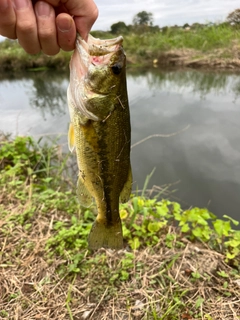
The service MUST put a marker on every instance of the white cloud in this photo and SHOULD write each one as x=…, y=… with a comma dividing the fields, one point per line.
x=169, y=12
x=165, y=13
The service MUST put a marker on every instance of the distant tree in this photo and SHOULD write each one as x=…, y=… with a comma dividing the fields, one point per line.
x=234, y=17
x=143, y=18
x=165, y=29
x=197, y=25
x=154, y=29
x=119, y=27
x=130, y=27
x=186, y=25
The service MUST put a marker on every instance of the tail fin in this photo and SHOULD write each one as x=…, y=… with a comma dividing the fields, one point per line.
x=102, y=235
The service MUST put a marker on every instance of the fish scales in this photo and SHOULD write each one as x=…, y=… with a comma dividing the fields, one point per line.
x=100, y=131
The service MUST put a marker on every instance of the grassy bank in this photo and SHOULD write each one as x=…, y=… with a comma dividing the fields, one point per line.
x=164, y=272
x=14, y=58
x=214, y=46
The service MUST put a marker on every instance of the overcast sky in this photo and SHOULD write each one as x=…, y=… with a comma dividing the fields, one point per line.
x=165, y=13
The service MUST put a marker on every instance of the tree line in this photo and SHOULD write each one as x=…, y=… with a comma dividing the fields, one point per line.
x=143, y=21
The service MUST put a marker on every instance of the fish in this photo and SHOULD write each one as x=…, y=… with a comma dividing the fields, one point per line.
x=100, y=132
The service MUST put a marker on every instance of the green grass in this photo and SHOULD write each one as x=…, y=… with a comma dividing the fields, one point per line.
x=202, y=41
x=13, y=57
x=177, y=263
x=222, y=42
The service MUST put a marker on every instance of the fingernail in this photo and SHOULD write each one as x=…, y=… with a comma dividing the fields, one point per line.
x=64, y=25
x=21, y=4
x=43, y=9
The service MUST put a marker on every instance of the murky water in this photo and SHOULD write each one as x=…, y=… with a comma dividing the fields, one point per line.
x=197, y=114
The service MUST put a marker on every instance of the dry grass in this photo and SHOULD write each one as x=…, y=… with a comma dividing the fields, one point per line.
x=172, y=280
x=160, y=285
x=223, y=59
x=208, y=47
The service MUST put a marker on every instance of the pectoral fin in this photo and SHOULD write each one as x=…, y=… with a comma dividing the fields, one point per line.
x=84, y=197
x=71, y=139
x=127, y=188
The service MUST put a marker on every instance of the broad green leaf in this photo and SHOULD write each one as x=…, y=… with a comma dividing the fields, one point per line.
x=134, y=243
x=154, y=226
x=185, y=228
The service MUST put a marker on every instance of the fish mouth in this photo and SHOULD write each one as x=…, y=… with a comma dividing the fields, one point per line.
x=98, y=47
x=96, y=51
x=87, y=58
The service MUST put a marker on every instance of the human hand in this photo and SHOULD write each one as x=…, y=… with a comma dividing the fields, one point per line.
x=46, y=25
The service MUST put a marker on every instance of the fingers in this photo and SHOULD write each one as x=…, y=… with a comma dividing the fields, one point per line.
x=87, y=13
x=26, y=26
x=7, y=19
x=66, y=31
x=47, y=34
x=38, y=28
x=84, y=25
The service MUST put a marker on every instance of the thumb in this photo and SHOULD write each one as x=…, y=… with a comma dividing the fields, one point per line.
x=84, y=12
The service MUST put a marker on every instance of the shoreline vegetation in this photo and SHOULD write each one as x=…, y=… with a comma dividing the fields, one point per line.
x=215, y=47
x=177, y=263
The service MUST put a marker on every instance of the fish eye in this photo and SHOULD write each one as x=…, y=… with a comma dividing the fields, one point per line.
x=116, y=69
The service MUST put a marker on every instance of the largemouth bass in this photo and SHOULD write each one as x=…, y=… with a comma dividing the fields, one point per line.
x=100, y=132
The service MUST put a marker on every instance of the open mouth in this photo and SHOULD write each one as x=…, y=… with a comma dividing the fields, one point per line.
x=91, y=62
x=98, y=47
x=97, y=51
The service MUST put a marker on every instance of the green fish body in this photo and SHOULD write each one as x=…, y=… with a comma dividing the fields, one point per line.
x=101, y=133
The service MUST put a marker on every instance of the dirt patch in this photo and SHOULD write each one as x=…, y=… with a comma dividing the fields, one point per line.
x=219, y=59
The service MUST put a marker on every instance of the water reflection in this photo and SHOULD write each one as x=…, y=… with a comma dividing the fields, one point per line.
x=198, y=82
x=49, y=94
x=46, y=90
x=205, y=158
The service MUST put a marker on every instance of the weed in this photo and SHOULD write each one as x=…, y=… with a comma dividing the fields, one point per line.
x=4, y=313
x=44, y=255
x=141, y=48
